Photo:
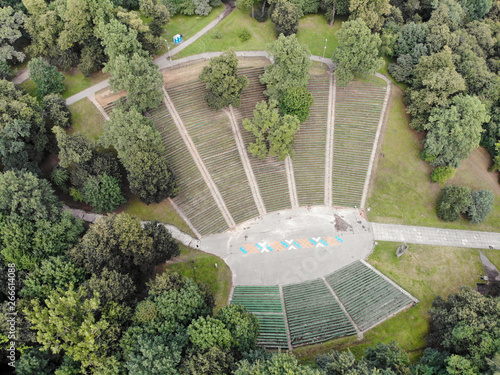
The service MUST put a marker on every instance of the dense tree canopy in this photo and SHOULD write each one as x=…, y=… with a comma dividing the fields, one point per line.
x=285, y=17
x=11, y=23
x=372, y=12
x=222, y=81
x=357, y=54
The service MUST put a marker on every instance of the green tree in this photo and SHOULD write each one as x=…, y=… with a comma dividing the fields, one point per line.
x=465, y=324
x=372, y=12
x=139, y=77
x=442, y=174
x=118, y=39
x=357, y=53
x=52, y=274
x=455, y=131
x=17, y=105
x=435, y=80
x=115, y=242
x=279, y=364
x=205, y=333
x=103, y=193
x=55, y=111
x=246, y=5
x=43, y=25
x=296, y=101
x=158, y=12
x=68, y=322
x=215, y=361
x=482, y=204
x=388, y=357
x=15, y=148
x=111, y=286
x=35, y=361
x=222, y=81
x=11, y=23
x=285, y=17
x=47, y=79
x=164, y=245
x=243, y=326
x=274, y=133
x=290, y=67
x=140, y=150
x=335, y=362
x=73, y=149
x=453, y=200
x=476, y=9
x=334, y=7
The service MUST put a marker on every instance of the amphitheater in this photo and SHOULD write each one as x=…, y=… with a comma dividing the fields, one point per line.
x=292, y=232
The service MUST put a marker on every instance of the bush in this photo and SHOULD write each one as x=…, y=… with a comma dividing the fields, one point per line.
x=60, y=177
x=244, y=35
x=296, y=101
x=425, y=156
x=453, y=201
x=442, y=174
x=217, y=35
x=103, y=193
x=481, y=205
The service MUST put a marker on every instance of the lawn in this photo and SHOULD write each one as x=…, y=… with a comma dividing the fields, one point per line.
x=314, y=29
x=86, y=119
x=226, y=35
x=163, y=212
x=425, y=272
x=200, y=267
x=403, y=192
x=75, y=82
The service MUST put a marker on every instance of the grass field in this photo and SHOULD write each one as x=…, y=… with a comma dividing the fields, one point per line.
x=163, y=212
x=403, y=192
x=200, y=267
x=86, y=119
x=425, y=272
x=226, y=35
x=76, y=82
x=314, y=29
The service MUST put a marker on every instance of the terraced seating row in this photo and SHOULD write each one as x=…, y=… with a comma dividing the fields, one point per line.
x=194, y=199
x=265, y=303
x=270, y=173
x=313, y=314
x=310, y=146
x=368, y=297
x=357, y=113
x=213, y=137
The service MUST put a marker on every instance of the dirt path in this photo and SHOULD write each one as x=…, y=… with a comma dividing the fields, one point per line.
x=198, y=161
x=261, y=208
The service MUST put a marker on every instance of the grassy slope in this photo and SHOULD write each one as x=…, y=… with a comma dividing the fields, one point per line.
x=403, y=193
x=425, y=272
x=86, y=119
x=314, y=29
x=218, y=279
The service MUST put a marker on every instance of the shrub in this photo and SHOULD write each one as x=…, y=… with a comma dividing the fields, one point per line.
x=453, y=201
x=244, y=35
x=481, y=205
x=296, y=101
x=103, y=193
x=442, y=174
x=217, y=35
x=425, y=156
x=60, y=177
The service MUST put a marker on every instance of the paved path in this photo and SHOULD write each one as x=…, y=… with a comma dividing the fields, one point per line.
x=436, y=236
x=292, y=187
x=330, y=133
x=21, y=76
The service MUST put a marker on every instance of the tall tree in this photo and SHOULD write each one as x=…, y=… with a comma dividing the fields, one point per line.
x=285, y=17
x=55, y=111
x=290, y=67
x=281, y=363
x=296, y=101
x=139, y=77
x=357, y=54
x=455, y=131
x=46, y=78
x=334, y=7
x=222, y=81
x=11, y=23
x=140, y=150
x=274, y=133
x=373, y=12
x=435, y=80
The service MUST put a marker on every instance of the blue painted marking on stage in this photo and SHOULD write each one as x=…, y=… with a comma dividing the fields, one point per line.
x=243, y=249
x=284, y=244
x=269, y=247
x=258, y=246
x=340, y=239
x=312, y=241
x=324, y=242
x=296, y=244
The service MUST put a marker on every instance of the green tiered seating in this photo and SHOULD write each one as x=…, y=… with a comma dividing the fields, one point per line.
x=310, y=146
x=214, y=139
x=313, y=313
x=357, y=113
x=265, y=303
x=368, y=297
